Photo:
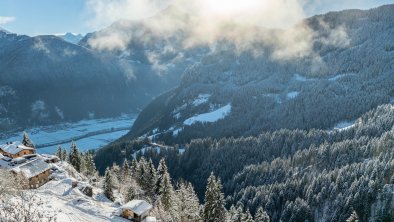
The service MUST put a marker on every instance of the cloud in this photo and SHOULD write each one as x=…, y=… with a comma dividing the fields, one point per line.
x=274, y=23
x=41, y=46
x=6, y=19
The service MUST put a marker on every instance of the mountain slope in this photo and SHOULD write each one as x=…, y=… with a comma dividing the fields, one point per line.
x=348, y=72
x=45, y=79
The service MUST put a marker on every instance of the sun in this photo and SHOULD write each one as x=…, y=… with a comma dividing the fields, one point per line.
x=231, y=7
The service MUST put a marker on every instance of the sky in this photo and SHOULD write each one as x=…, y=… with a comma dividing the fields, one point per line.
x=37, y=17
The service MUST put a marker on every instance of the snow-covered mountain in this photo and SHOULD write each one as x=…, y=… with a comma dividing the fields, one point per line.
x=334, y=83
x=44, y=76
x=71, y=37
x=44, y=79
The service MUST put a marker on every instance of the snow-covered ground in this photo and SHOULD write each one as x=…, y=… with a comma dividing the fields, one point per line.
x=90, y=134
x=344, y=125
x=70, y=204
x=210, y=117
x=335, y=78
x=300, y=78
x=201, y=99
x=292, y=95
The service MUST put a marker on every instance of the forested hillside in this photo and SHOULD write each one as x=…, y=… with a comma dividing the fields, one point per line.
x=303, y=138
x=348, y=72
x=296, y=174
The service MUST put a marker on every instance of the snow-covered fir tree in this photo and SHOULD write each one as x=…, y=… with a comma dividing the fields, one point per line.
x=353, y=217
x=261, y=215
x=27, y=141
x=134, y=167
x=161, y=170
x=141, y=172
x=89, y=165
x=166, y=192
x=59, y=152
x=108, y=185
x=64, y=155
x=214, y=201
x=247, y=217
x=188, y=204
x=150, y=180
x=125, y=170
x=232, y=214
x=75, y=157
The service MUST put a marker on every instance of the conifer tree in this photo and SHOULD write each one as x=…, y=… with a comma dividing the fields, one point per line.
x=90, y=166
x=166, y=192
x=59, y=152
x=247, y=217
x=134, y=168
x=108, y=185
x=239, y=216
x=161, y=170
x=125, y=170
x=64, y=155
x=188, y=207
x=261, y=215
x=150, y=180
x=74, y=157
x=141, y=173
x=214, y=201
x=131, y=193
x=353, y=217
x=233, y=214
x=26, y=141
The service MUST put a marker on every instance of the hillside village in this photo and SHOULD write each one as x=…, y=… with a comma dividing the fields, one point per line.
x=53, y=178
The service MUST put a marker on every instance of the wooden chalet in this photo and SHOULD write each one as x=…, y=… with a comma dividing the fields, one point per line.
x=15, y=150
x=136, y=210
x=35, y=173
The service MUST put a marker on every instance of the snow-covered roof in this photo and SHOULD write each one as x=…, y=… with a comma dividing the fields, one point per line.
x=14, y=147
x=137, y=206
x=150, y=219
x=32, y=168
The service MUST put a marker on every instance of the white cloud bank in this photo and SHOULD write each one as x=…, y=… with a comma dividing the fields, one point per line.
x=241, y=22
x=6, y=19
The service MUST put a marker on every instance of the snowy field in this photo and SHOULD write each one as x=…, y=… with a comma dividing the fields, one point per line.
x=88, y=134
x=209, y=117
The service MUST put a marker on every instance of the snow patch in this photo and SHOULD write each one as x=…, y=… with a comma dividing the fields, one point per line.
x=337, y=77
x=344, y=125
x=300, y=78
x=292, y=95
x=201, y=99
x=209, y=117
x=176, y=132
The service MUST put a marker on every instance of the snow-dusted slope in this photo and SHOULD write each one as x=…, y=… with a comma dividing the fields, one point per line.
x=70, y=204
x=211, y=116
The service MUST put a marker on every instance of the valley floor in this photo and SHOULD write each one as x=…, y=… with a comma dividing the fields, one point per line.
x=88, y=134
